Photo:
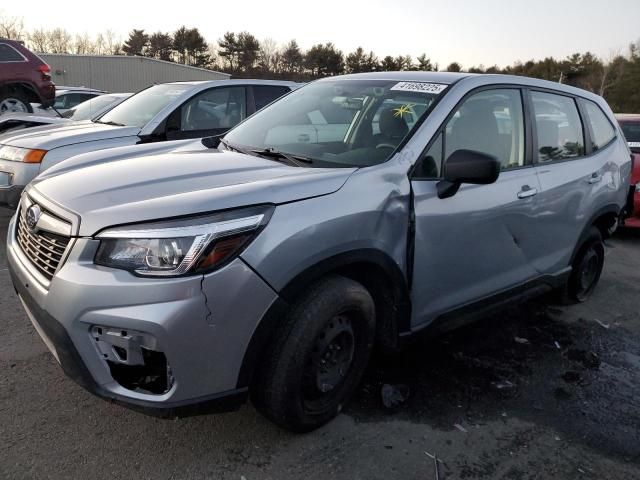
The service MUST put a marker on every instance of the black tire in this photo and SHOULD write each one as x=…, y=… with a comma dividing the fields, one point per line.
x=14, y=97
x=586, y=268
x=298, y=386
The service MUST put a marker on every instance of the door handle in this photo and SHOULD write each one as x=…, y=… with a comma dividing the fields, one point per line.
x=595, y=178
x=527, y=192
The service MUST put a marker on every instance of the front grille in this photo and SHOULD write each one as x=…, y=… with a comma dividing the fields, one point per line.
x=43, y=249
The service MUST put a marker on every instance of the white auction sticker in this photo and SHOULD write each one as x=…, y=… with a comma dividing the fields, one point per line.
x=420, y=87
x=634, y=144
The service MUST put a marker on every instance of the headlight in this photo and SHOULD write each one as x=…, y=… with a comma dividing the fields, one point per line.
x=17, y=154
x=637, y=187
x=180, y=247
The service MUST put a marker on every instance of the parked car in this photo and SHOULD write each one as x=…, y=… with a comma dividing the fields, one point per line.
x=170, y=111
x=354, y=213
x=84, y=111
x=66, y=99
x=24, y=78
x=630, y=125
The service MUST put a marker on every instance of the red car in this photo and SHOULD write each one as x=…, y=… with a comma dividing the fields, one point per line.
x=631, y=127
x=24, y=79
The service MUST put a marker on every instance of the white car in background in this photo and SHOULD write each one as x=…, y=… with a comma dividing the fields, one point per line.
x=84, y=111
x=66, y=99
x=168, y=111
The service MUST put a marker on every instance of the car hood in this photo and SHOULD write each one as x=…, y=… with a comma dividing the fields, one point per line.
x=9, y=120
x=182, y=182
x=53, y=136
x=30, y=117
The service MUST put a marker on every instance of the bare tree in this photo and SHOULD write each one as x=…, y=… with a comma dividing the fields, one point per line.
x=112, y=43
x=12, y=28
x=39, y=40
x=59, y=41
x=99, y=45
x=83, y=45
x=267, y=56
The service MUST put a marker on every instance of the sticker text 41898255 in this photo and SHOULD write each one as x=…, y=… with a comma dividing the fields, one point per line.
x=421, y=87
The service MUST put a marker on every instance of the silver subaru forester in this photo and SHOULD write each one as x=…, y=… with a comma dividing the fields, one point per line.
x=350, y=215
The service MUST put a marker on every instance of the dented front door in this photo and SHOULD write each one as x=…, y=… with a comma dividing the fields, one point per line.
x=477, y=243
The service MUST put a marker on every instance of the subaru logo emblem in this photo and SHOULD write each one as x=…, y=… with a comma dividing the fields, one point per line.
x=33, y=215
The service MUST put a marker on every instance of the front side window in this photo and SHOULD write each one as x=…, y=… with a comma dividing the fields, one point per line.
x=339, y=122
x=139, y=109
x=559, y=128
x=490, y=122
x=601, y=129
x=10, y=54
x=218, y=108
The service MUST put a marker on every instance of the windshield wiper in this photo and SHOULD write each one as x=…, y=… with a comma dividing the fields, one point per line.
x=233, y=148
x=114, y=124
x=291, y=159
x=296, y=160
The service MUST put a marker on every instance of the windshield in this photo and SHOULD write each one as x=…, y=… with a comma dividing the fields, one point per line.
x=631, y=131
x=137, y=110
x=339, y=122
x=88, y=109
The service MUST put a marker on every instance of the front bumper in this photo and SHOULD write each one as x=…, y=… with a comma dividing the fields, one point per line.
x=202, y=324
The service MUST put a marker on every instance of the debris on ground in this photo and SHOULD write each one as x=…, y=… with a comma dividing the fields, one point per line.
x=561, y=394
x=435, y=465
x=394, y=396
x=432, y=456
x=571, y=376
x=521, y=341
x=503, y=385
x=460, y=427
x=557, y=345
x=590, y=360
x=606, y=326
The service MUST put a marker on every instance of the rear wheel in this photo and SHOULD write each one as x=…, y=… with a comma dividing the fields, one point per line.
x=14, y=102
x=586, y=267
x=318, y=357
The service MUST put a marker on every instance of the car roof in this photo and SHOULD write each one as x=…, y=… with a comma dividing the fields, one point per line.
x=435, y=77
x=235, y=81
x=630, y=117
x=476, y=79
x=63, y=89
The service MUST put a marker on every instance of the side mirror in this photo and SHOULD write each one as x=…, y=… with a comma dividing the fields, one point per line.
x=467, y=166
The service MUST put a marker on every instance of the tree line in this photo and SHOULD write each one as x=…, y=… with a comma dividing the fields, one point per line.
x=241, y=54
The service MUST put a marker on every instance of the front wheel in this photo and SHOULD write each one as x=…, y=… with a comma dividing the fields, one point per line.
x=318, y=356
x=586, y=267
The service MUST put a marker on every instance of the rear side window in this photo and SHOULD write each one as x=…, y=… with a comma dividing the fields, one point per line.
x=559, y=128
x=602, y=132
x=10, y=54
x=265, y=94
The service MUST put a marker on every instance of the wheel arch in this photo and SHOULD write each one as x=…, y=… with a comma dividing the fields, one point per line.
x=605, y=220
x=374, y=269
x=25, y=87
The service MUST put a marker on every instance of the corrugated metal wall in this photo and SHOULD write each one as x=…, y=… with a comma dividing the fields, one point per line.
x=120, y=73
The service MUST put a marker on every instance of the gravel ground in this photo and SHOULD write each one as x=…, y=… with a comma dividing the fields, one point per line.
x=536, y=392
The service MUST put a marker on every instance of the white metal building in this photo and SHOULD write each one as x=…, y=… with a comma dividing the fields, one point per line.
x=119, y=73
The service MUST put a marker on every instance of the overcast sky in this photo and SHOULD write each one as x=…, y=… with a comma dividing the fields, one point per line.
x=468, y=31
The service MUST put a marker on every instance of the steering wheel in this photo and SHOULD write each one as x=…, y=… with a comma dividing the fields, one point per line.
x=386, y=145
